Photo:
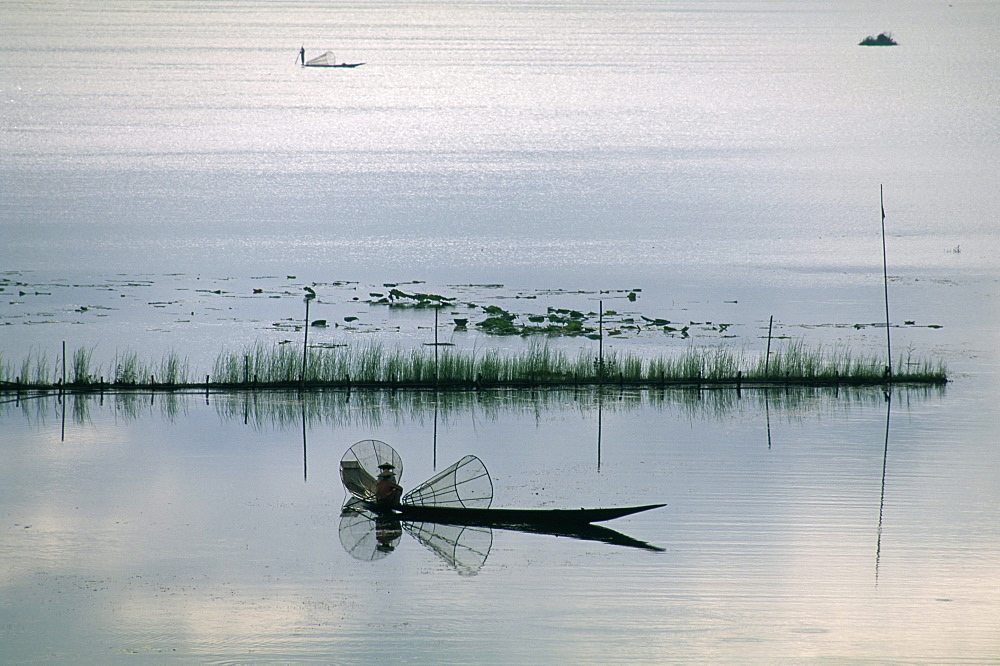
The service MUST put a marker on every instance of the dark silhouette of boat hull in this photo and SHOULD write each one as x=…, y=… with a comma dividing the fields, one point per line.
x=554, y=522
x=514, y=517
x=347, y=65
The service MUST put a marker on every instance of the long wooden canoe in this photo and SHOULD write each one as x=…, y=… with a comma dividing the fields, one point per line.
x=499, y=517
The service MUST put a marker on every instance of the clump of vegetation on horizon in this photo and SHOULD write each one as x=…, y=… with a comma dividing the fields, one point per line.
x=883, y=39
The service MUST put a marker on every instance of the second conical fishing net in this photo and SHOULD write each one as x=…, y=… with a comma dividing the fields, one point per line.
x=359, y=468
x=465, y=484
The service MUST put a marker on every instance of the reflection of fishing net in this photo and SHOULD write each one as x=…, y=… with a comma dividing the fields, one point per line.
x=364, y=536
x=465, y=484
x=359, y=466
x=464, y=548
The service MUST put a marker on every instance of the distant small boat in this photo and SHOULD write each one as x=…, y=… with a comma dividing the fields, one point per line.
x=327, y=60
x=884, y=39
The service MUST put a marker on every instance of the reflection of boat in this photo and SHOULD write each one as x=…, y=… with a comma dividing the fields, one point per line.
x=328, y=60
x=450, y=512
x=368, y=536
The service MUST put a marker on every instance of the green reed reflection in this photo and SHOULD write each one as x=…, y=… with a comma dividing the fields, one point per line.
x=280, y=410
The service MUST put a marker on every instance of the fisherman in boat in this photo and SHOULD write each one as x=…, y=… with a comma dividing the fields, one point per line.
x=387, y=491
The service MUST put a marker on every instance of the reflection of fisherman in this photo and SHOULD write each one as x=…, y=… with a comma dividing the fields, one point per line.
x=302, y=55
x=387, y=533
x=387, y=491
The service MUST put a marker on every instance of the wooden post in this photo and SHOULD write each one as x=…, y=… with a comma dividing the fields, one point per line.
x=600, y=339
x=767, y=357
x=305, y=342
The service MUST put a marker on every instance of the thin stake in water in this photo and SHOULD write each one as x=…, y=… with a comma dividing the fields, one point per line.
x=600, y=339
x=310, y=294
x=767, y=357
x=885, y=282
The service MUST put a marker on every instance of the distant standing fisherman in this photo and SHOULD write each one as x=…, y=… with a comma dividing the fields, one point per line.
x=387, y=491
x=302, y=55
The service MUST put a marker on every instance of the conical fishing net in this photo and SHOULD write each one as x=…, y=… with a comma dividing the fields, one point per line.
x=359, y=466
x=325, y=60
x=465, y=484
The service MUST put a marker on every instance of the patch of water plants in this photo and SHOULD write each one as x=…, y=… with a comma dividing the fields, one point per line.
x=883, y=39
x=398, y=298
x=555, y=322
x=126, y=369
x=374, y=365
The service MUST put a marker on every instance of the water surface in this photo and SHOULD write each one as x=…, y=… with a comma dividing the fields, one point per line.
x=207, y=528
x=162, y=161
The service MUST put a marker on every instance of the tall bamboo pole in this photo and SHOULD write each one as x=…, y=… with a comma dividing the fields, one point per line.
x=885, y=283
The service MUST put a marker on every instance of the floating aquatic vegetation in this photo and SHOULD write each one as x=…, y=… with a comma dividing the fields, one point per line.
x=572, y=314
x=883, y=39
x=399, y=298
x=498, y=326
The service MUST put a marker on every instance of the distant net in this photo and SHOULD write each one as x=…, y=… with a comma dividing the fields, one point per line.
x=324, y=60
x=465, y=484
x=359, y=466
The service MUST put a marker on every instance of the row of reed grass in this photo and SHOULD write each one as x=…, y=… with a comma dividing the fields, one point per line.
x=539, y=364
x=126, y=369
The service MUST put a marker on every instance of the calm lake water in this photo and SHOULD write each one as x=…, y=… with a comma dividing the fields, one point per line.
x=171, y=180
x=206, y=529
